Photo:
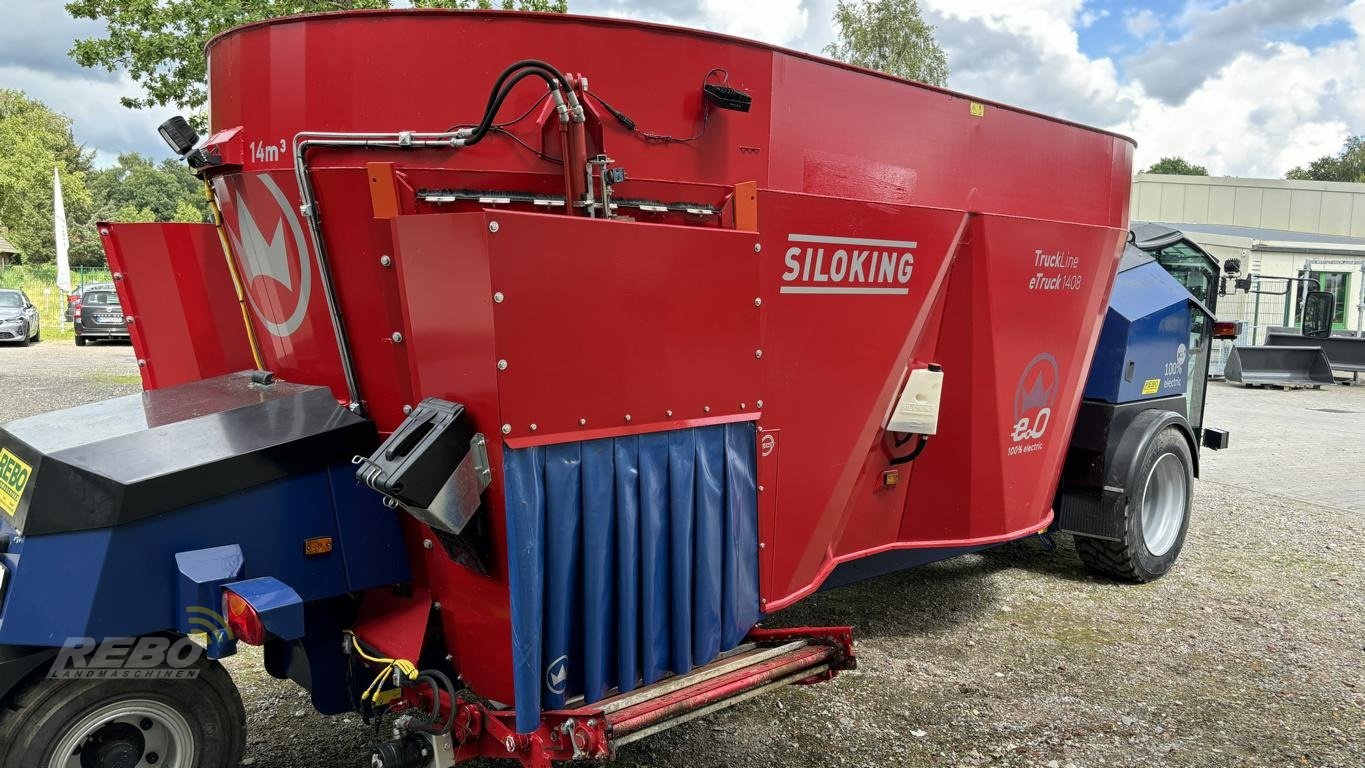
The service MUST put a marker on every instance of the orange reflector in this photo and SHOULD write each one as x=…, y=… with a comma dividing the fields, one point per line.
x=318, y=546
x=891, y=478
x=242, y=619
x=1225, y=330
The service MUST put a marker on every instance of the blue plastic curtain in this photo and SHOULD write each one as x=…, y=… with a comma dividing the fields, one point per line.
x=631, y=558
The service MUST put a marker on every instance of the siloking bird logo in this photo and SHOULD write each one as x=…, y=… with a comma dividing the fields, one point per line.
x=269, y=242
x=1034, y=397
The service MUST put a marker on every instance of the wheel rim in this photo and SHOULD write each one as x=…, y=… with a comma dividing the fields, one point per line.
x=1163, y=504
x=127, y=734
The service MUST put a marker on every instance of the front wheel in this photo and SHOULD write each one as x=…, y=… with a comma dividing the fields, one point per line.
x=1157, y=515
x=115, y=723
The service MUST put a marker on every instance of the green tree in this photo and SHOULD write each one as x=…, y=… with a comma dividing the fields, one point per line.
x=161, y=43
x=889, y=36
x=1347, y=165
x=33, y=141
x=166, y=191
x=1177, y=166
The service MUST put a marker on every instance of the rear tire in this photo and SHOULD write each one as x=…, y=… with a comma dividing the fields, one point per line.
x=198, y=722
x=1156, y=517
x=80, y=340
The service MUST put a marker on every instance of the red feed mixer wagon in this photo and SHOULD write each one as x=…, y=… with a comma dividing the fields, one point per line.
x=534, y=360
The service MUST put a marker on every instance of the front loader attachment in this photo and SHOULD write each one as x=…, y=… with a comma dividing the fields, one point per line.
x=1279, y=366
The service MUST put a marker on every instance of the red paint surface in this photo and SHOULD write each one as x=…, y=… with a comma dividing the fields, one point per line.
x=604, y=319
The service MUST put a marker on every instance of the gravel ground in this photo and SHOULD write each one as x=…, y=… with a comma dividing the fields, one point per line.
x=1250, y=653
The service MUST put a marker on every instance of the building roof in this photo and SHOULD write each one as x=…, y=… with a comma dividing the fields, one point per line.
x=6, y=246
x=1270, y=235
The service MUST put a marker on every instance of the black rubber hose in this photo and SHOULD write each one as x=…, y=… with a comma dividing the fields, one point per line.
x=495, y=104
x=440, y=677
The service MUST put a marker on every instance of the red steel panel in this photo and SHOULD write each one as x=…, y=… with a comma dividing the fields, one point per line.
x=175, y=287
x=630, y=326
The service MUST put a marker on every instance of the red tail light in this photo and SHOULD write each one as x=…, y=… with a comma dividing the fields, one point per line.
x=243, y=621
x=1225, y=329
x=76, y=312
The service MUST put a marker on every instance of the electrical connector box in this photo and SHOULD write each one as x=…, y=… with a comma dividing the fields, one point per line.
x=917, y=409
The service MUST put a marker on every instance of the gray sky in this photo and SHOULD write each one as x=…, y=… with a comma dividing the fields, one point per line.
x=1246, y=87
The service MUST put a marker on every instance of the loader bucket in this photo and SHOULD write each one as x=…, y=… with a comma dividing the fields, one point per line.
x=1279, y=366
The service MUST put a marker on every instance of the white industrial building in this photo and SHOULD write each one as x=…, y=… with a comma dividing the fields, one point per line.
x=1276, y=228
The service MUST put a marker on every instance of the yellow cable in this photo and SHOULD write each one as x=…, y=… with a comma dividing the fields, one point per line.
x=232, y=270
x=407, y=668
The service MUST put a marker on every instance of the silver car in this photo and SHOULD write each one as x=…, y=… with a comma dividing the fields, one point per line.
x=18, y=317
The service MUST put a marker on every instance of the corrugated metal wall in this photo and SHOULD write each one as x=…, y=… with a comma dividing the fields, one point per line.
x=631, y=558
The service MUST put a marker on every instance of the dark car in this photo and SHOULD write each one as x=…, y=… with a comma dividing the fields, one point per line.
x=18, y=317
x=99, y=315
x=74, y=297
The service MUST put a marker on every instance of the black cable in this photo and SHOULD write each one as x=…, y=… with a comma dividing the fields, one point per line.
x=911, y=456
x=529, y=148
x=661, y=138
x=507, y=123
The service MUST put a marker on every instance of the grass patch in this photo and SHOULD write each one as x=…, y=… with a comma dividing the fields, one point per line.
x=128, y=379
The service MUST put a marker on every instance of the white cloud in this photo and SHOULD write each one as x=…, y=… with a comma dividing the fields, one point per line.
x=1141, y=23
x=1256, y=108
x=772, y=21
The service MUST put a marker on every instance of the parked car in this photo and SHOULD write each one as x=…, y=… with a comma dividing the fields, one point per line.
x=18, y=317
x=74, y=297
x=99, y=315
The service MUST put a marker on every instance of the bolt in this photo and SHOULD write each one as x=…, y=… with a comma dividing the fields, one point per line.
x=507, y=429
x=627, y=417
x=760, y=489
x=131, y=319
x=582, y=422
x=498, y=297
x=492, y=226
x=407, y=409
x=758, y=247
x=759, y=404
x=502, y=365
x=436, y=605
x=426, y=543
x=141, y=363
x=510, y=743
x=145, y=724
x=397, y=337
x=533, y=426
x=758, y=353
x=385, y=261
x=104, y=232
x=761, y=545
x=118, y=275
x=151, y=758
x=706, y=409
x=742, y=406
x=669, y=414
x=758, y=302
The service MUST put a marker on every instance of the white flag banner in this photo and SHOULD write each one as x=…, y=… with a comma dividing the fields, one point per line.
x=59, y=226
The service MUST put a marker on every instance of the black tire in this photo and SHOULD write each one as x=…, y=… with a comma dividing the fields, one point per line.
x=38, y=334
x=35, y=720
x=80, y=340
x=1132, y=559
x=24, y=338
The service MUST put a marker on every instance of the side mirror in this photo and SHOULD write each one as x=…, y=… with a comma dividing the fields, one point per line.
x=1232, y=266
x=1318, y=309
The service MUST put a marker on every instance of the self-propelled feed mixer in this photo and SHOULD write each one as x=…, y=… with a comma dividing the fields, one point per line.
x=533, y=362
